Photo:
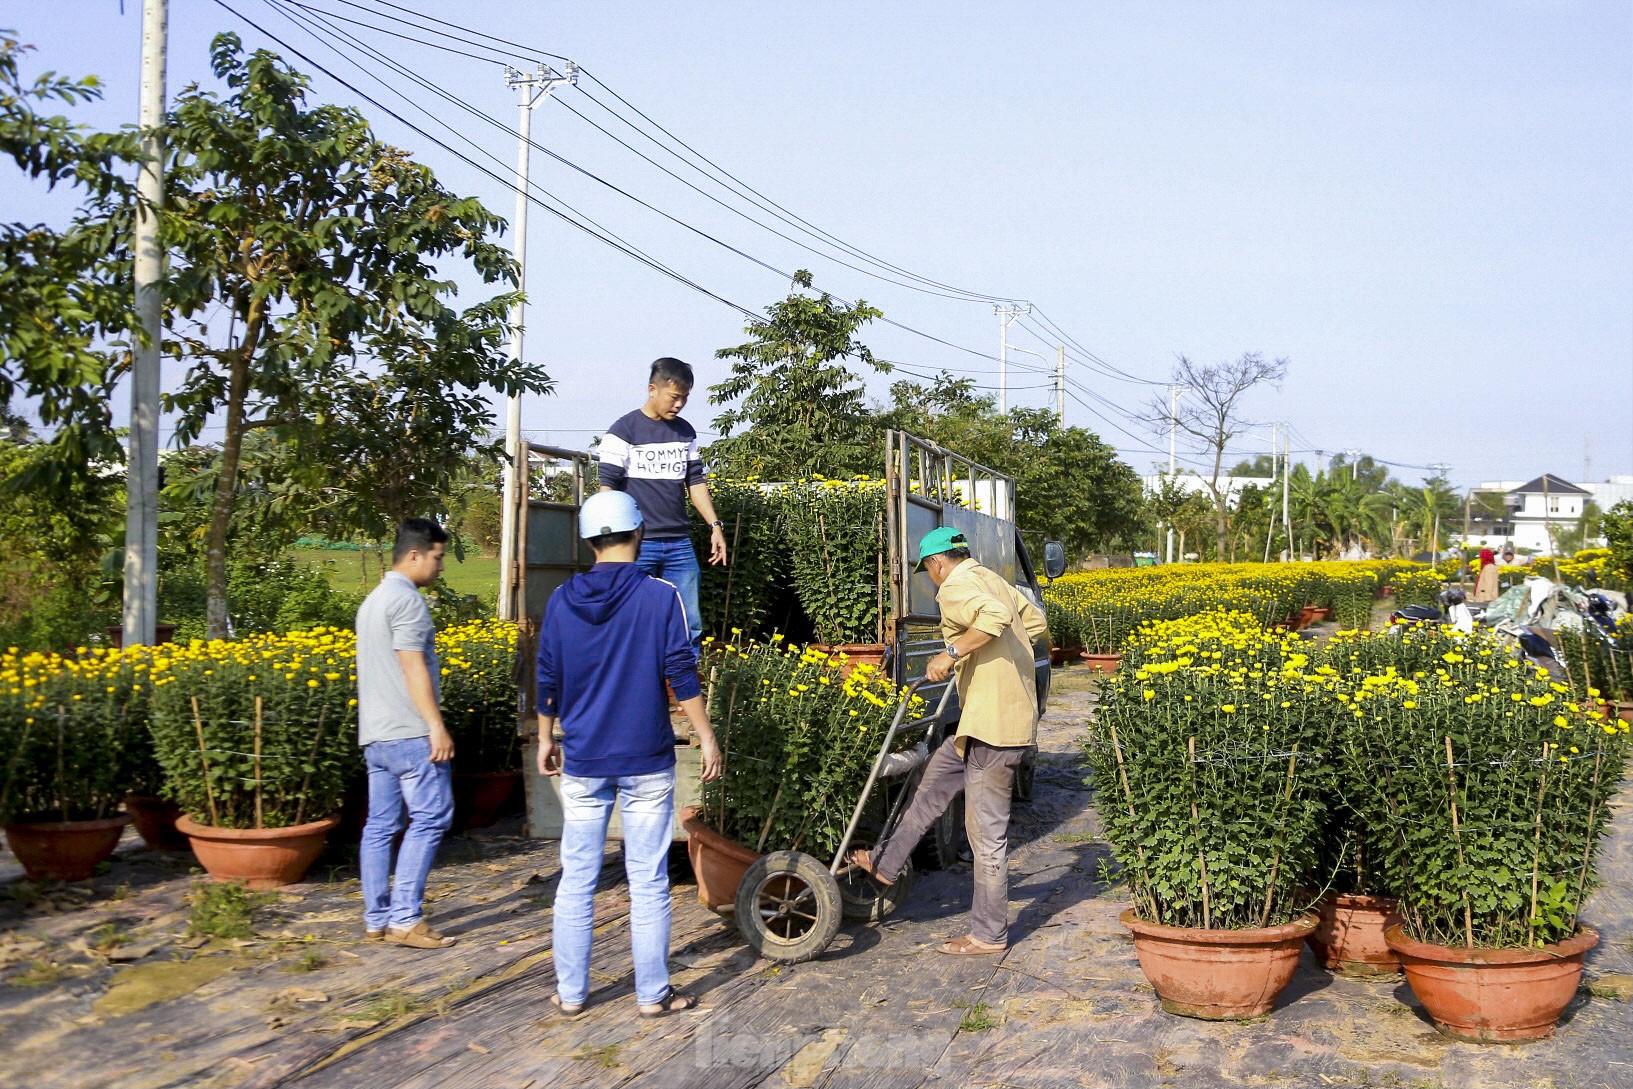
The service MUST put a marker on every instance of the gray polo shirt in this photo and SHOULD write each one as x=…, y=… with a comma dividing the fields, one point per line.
x=394, y=617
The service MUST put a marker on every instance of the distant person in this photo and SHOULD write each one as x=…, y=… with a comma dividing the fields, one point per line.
x=1508, y=556
x=652, y=454
x=1485, y=583
x=611, y=637
x=405, y=744
x=989, y=628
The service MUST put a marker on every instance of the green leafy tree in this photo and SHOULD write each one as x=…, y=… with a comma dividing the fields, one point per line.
x=305, y=300
x=1616, y=524
x=796, y=408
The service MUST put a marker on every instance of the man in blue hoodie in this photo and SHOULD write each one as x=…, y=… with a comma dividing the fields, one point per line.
x=610, y=638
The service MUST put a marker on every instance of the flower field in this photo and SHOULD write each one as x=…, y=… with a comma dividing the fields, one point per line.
x=1097, y=610
x=1231, y=758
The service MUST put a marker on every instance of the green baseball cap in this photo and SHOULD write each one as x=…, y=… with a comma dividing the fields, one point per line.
x=939, y=540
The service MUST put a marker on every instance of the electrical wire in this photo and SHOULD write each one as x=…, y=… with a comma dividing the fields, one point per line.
x=724, y=178
x=656, y=266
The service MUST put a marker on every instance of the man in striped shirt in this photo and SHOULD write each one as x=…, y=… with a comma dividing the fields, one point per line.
x=652, y=454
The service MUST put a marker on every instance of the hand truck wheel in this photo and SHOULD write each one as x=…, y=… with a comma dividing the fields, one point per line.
x=788, y=907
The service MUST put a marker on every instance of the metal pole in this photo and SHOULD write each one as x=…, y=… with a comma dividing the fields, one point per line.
x=141, y=594
x=533, y=88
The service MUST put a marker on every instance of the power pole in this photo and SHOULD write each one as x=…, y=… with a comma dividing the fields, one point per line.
x=1173, y=433
x=533, y=88
x=1287, y=472
x=141, y=598
x=1007, y=313
x=1060, y=384
x=1275, y=447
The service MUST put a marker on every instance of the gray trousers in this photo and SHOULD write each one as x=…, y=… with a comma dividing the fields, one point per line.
x=985, y=774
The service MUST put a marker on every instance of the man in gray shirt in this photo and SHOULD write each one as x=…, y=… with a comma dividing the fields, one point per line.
x=405, y=744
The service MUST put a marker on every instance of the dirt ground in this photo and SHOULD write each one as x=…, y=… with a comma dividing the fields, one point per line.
x=99, y=986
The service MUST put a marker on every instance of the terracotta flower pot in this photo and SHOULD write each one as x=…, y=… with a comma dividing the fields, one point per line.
x=1104, y=664
x=718, y=863
x=1624, y=710
x=64, y=850
x=1218, y=975
x=480, y=797
x=855, y=654
x=1491, y=995
x=1349, y=938
x=1057, y=656
x=262, y=858
x=1319, y=613
x=155, y=819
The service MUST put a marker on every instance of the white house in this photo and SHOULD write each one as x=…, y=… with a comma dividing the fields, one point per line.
x=1542, y=507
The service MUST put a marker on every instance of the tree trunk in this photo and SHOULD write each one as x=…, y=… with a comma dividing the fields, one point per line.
x=226, y=483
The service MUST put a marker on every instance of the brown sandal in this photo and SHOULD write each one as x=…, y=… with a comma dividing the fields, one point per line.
x=419, y=936
x=564, y=1011
x=970, y=945
x=862, y=860
x=672, y=1002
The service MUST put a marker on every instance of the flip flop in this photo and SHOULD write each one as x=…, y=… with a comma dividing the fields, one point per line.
x=863, y=861
x=672, y=1002
x=566, y=1013
x=969, y=945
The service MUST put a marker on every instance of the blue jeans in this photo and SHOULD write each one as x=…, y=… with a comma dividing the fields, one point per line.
x=648, y=803
x=674, y=561
x=401, y=775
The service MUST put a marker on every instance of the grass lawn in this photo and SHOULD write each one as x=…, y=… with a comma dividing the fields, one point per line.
x=346, y=570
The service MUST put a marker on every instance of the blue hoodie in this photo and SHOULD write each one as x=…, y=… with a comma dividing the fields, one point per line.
x=611, y=636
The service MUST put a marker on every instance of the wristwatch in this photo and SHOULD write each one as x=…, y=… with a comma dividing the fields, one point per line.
x=952, y=651
x=717, y=524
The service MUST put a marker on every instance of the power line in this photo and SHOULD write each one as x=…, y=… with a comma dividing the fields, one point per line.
x=727, y=180
x=671, y=273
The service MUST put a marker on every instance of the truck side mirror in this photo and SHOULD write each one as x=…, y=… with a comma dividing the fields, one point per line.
x=1054, y=559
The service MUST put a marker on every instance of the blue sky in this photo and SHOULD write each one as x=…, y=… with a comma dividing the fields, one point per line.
x=1425, y=208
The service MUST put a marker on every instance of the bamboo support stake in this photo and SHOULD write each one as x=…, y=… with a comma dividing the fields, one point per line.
x=1587, y=830
x=62, y=773
x=209, y=794
x=1536, y=851
x=257, y=754
x=731, y=569
x=725, y=751
x=311, y=762
x=1286, y=796
x=1201, y=856
x=1128, y=796
x=765, y=829
x=1457, y=836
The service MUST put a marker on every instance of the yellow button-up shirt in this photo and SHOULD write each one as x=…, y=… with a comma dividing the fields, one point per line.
x=997, y=687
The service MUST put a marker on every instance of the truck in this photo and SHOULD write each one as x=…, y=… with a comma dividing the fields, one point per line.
x=926, y=486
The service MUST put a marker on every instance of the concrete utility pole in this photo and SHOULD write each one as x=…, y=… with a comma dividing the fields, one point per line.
x=1286, y=473
x=1173, y=433
x=1441, y=468
x=1060, y=383
x=533, y=88
x=141, y=598
x=1007, y=313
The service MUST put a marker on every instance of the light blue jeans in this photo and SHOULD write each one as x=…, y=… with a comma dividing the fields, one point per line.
x=674, y=561
x=648, y=803
x=401, y=775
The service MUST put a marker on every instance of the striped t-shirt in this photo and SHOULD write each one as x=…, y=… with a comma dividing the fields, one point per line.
x=655, y=461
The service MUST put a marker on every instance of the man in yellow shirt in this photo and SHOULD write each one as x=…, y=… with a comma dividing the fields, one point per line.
x=988, y=626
